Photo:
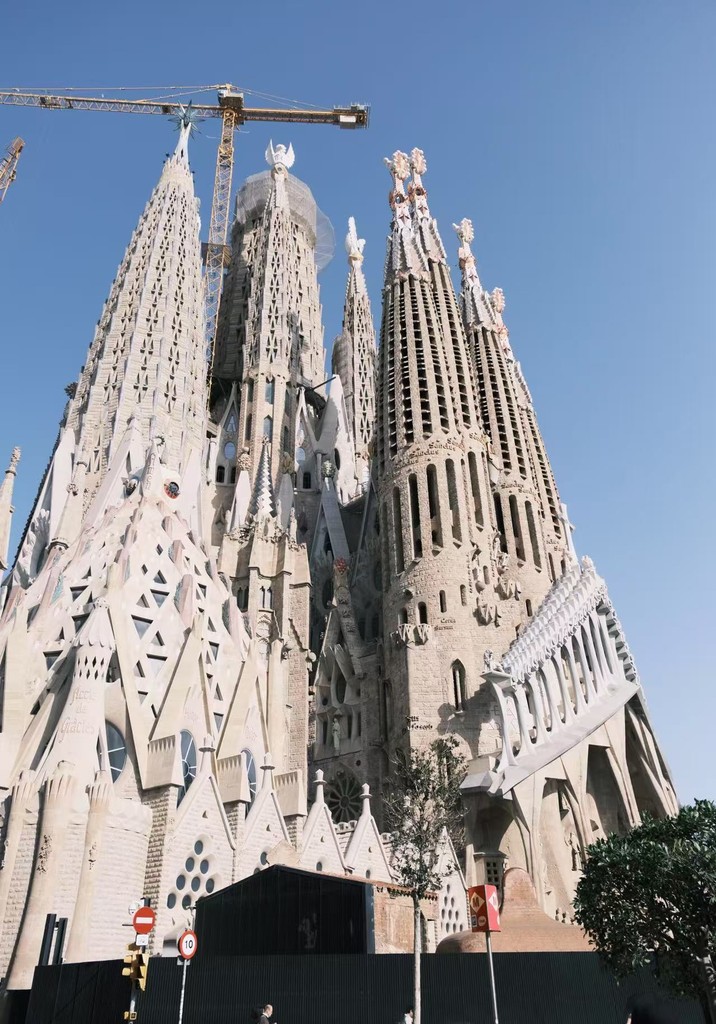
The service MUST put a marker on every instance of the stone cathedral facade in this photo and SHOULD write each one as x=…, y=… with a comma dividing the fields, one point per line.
x=237, y=599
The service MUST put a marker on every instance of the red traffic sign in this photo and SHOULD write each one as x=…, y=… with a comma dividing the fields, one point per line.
x=187, y=944
x=484, y=908
x=144, y=920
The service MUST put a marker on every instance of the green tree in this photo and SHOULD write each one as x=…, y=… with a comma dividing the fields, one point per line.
x=652, y=892
x=424, y=802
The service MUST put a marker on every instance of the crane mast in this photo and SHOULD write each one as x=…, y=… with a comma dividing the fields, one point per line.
x=8, y=165
x=233, y=113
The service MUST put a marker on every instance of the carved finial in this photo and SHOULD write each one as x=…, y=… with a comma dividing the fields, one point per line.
x=498, y=300
x=14, y=459
x=365, y=799
x=354, y=244
x=399, y=167
x=280, y=156
x=319, y=787
x=418, y=164
x=465, y=231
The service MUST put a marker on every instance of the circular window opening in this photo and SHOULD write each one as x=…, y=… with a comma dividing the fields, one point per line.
x=230, y=451
x=204, y=867
x=171, y=900
x=186, y=901
x=116, y=751
x=210, y=884
x=263, y=858
x=189, y=864
x=181, y=882
x=195, y=883
x=198, y=846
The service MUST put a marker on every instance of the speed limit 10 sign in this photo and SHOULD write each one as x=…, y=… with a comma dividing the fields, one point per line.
x=187, y=944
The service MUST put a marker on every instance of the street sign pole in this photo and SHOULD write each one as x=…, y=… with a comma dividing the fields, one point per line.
x=491, y=966
x=187, y=946
x=485, y=917
x=183, y=987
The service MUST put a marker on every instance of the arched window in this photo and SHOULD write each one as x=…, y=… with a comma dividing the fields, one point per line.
x=336, y=458
x=443, y=601
x=187, y=747
x=415, y=516
x=532, y=530
x=232, y=475
x=458, y=685
x=434, y=507
x=306, y=481
x=270, y=391
x=422, y=612
x=398, y=532
x=403, y=616
x=463, y=595
x=268, y=426
x=116, y=751
x=517, y=528
x=220, y=474
x=250, y=772
x=247, y=428
x=453, y=500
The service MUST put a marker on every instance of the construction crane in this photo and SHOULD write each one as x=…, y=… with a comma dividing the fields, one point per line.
x=233, y=113
x=8, y=165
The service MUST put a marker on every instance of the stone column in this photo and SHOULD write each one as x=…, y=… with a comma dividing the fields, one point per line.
x=79, y=942
x=58, y=805
x=24, y=801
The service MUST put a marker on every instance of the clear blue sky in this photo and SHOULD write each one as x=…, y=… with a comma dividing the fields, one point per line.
x=580, y=139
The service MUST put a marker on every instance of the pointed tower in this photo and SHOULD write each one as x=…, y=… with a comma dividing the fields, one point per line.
x=437, y=526
x=353, y=362
x=144, y=377
x=527, y=505
x=6, y=509
x=270, y=339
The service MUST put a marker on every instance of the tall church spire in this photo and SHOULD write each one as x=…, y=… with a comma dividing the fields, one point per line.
x=270, y=338
x=144, y=377
x=147, y=360
x=353, y=357
x=6, y=509
x=527, y=503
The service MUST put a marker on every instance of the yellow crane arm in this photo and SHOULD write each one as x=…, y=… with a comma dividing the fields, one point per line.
x=233, y=113
x=8, y=165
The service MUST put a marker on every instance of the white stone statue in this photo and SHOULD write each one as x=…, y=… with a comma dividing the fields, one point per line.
x=336, y=733
x=280, y=156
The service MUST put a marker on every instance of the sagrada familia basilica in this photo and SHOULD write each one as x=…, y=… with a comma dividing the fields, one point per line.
x=237, y=599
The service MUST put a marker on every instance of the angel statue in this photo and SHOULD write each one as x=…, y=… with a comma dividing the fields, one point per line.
x=280, y=156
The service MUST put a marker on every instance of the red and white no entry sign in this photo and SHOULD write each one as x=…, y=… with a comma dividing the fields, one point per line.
x=187, y=944
x=143, y=920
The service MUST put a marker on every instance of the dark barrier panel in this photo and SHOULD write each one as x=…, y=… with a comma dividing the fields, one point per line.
x=533, y=988
x=284, y=910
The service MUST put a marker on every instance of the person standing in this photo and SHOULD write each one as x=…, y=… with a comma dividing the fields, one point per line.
x=266, y=1014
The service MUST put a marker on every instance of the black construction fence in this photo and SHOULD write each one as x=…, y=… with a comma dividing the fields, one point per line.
x=532, y=988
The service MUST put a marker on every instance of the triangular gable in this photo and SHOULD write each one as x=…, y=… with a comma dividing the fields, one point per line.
x=265, y=827
x=365, y=854
x=319, y=842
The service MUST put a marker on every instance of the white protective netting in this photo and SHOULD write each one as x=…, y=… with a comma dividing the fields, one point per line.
x=251, y=200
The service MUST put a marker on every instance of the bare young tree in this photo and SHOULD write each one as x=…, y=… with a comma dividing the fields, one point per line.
x=424, y=802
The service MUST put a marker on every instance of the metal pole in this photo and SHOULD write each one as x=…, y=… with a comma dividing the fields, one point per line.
x=490, y=965
x=133, y=1000
x=183, y=986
